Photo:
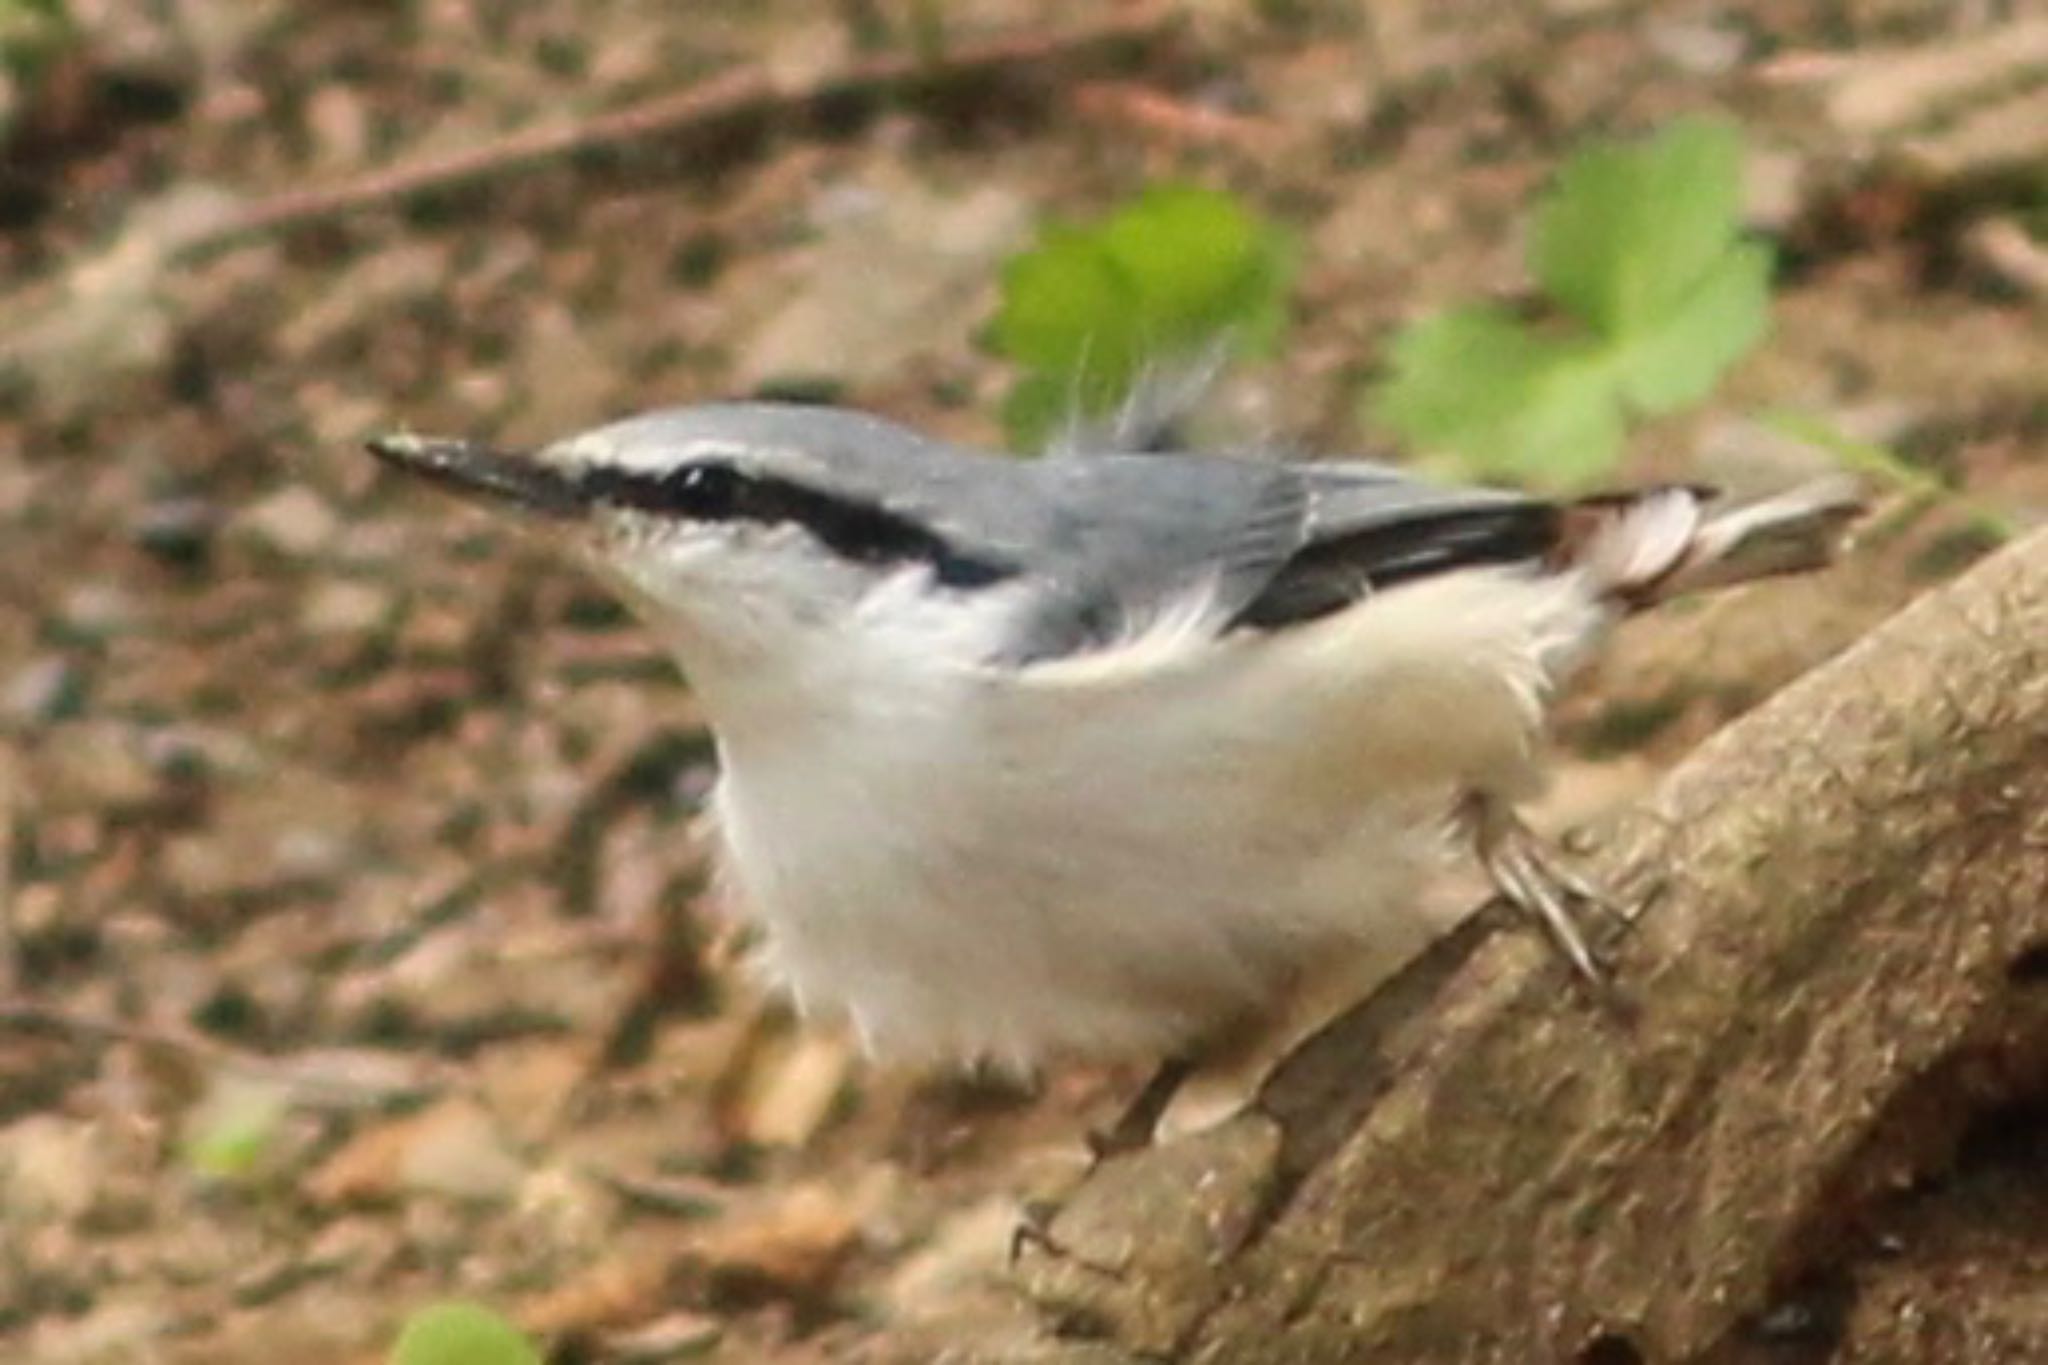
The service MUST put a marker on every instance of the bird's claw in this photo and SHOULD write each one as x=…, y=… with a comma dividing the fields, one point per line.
x=1528, y=874
x=1034, y=1229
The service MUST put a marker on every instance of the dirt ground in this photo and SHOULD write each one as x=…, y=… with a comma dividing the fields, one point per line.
x=344, y=833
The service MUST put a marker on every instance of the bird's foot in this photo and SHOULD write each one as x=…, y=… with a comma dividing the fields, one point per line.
x=1528, y=873
x=1134, y=1130
x=1034, y=1229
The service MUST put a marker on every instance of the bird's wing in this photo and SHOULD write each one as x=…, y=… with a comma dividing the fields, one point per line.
x=1134, y=539
x=1123, y=541
x=1371, y=526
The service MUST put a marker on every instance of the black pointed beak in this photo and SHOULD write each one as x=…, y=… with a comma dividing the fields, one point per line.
x=502, y=477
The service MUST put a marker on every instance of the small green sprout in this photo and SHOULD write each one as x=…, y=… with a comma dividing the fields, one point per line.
x=458, y=1333
x=1091, y=310
x=231, y=1132
x=1639, y=248
x=1918, y=489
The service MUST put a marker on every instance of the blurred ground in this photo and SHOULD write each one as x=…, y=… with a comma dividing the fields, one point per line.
x=340, y=827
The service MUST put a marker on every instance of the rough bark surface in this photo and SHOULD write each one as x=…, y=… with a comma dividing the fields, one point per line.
x=1844, y=956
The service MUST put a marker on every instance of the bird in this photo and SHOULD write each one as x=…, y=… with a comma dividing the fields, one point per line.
x=1090, y=756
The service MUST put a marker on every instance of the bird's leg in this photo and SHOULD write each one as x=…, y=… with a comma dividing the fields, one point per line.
x=1138, y=1124
x=1134, y=1130
x=1526, y=872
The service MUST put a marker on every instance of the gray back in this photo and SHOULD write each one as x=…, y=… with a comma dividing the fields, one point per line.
x=1111, y=539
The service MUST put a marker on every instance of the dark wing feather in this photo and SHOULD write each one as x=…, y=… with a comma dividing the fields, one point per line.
x=1371, y=527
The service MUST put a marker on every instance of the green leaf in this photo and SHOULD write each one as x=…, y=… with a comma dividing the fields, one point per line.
x=1200, y=264
x=1460, y=372
x=461, y=1334
x=1630, y=229
x=1070, y=318
x=1640, y=247
x=1515, y=403
x=1568, y=434
x=1675, y=363
x=1089, y=310
x=1036, y=406
x=1059, y=297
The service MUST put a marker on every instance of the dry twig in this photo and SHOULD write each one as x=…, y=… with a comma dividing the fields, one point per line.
x=749, y=97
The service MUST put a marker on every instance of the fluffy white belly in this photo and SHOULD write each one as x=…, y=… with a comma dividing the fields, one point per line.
x=1086, y=926
x=1118, y=854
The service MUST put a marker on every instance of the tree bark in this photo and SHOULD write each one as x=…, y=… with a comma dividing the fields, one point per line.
x=1843, y=957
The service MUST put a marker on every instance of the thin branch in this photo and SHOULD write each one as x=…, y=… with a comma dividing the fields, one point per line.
x=736, y=99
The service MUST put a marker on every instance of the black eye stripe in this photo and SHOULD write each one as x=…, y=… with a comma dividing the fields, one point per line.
x=709, y=491
x=701, y=492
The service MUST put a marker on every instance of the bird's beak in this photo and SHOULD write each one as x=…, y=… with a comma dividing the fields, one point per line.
x=501, y=477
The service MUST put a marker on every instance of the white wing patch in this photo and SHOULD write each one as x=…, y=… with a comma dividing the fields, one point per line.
x=1644, y=541
x=1176, y=633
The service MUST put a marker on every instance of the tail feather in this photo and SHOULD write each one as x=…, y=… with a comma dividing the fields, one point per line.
x=1645, y=548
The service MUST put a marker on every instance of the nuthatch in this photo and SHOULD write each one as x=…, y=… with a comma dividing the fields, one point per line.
x=1094, y=754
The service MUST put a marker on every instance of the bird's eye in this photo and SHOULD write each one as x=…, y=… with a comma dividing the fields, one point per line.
x=710, y=492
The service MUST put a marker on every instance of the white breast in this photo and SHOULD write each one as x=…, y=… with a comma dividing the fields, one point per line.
x=1113, y=854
